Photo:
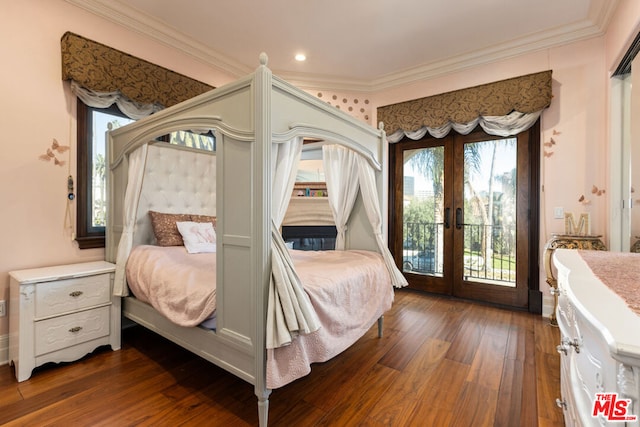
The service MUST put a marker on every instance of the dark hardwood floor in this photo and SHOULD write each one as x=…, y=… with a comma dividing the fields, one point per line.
x=441, y=362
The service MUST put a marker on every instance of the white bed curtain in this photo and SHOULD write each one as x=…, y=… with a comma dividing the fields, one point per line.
x=341, y=174
x=289, y=310
x=346, y=172
x=367, y=180
x=137, y=162
x=508, y=125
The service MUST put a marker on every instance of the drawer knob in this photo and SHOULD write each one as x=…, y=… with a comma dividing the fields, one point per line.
x=75, y=329
x=75, y=294
x=562, y=348
x=566, y=343
x=576, y=345
x=561, y=404
x=573, y=343
x=554, y=291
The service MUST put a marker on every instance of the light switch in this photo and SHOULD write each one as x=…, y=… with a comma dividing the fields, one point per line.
x=558, y=213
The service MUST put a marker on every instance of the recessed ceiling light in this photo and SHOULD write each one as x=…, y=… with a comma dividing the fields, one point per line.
x=301, y=57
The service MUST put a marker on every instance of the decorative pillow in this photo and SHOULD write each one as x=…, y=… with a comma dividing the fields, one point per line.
x=204, y=218
x=198, y=237
x=164, y=228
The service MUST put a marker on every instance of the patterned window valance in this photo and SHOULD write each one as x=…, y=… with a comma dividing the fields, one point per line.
x=100, y=68
x=525, y=94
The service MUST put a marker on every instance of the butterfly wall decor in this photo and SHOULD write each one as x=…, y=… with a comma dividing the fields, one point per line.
x=549, y=145
x=51, y=153
x=594, y=190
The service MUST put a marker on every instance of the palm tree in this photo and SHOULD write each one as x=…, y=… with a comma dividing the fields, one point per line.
x=508, y=180
x=429, y=163
x=473, y=158
x=488, y=250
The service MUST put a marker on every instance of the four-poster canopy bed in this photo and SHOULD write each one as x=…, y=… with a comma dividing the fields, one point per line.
x=273, y=311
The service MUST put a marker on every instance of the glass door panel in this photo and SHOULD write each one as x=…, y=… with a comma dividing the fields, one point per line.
x=461, y=215
x=423, y=211
x=490, y=212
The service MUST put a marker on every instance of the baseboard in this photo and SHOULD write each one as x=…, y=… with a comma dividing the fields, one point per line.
x=4, y=349
x=547, y=305
x=535, y=301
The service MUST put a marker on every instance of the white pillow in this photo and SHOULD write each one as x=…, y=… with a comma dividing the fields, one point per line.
x=198, y=237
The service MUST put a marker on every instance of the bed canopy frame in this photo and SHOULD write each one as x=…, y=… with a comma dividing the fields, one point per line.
x=249, y=117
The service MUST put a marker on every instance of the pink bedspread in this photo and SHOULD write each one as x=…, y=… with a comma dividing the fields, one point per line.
x=619, y=271
x=179, y=285
x=349, y=290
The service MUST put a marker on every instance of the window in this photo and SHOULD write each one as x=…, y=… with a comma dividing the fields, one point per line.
x=201, y=141
x=92, y=169
x=91, y=197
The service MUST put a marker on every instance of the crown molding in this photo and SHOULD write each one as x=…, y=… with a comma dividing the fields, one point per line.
x=599, y=16
x=310, y=81
x=532, y=43
x=130, y=18
x=600, y=13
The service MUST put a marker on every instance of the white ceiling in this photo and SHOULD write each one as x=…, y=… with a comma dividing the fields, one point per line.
x=358, y=44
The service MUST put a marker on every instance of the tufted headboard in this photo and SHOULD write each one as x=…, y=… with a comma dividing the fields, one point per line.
x=176, y=180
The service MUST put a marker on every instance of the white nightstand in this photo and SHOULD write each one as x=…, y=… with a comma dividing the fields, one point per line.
x=59, y=314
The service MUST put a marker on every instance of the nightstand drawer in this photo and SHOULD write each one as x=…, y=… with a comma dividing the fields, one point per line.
x=65, y=331
x=68, y=295
x=61, y=313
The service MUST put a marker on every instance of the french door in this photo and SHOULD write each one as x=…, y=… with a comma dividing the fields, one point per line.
x=461, y=215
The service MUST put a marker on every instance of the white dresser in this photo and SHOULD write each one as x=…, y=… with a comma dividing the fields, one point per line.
x=59, y=314
x=599, y=348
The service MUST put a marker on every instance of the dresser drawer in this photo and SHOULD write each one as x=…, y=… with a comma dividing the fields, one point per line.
x=566, y=316
x=63, y=296
x=65, y=331
x=569, y=408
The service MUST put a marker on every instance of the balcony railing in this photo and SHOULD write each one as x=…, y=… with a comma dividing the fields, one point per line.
x=423, y=251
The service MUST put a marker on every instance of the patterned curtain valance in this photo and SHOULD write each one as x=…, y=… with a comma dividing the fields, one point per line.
x=526, y=94
x=100, y=68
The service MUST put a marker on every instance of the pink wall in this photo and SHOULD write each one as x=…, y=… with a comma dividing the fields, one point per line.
x=577, y=114
x=623, y=28
x=577, y=118
x=36, y=107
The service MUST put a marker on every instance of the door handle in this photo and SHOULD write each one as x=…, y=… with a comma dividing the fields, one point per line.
x=458, y=218
x=447, y=214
